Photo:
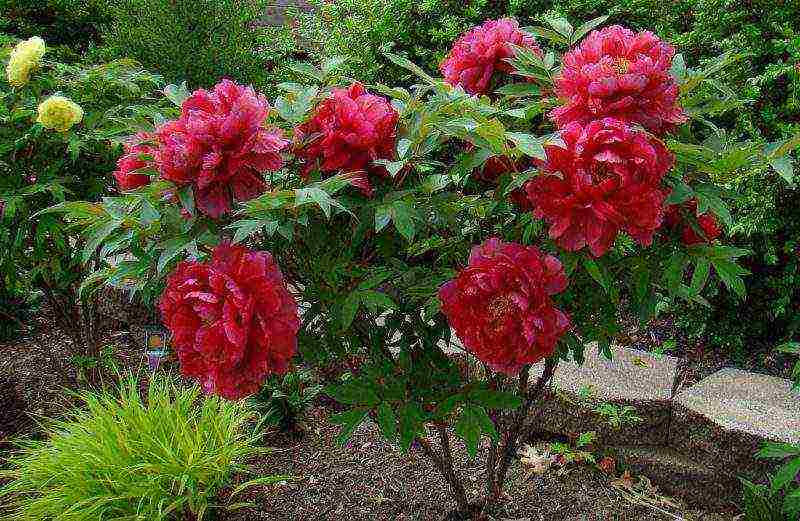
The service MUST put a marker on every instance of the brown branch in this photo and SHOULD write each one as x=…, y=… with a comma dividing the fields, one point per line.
x=445, y=466
x=514, y=432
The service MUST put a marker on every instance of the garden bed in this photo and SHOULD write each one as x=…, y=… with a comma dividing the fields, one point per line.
x=367, y=479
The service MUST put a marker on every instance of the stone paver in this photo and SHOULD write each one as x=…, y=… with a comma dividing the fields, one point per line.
x=723, y=420
x=631, y=377
x=751, y=403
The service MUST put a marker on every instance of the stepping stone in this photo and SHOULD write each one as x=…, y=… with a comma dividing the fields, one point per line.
x=632, y=377
x=723, y=420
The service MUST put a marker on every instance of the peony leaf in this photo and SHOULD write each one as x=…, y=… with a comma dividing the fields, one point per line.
x=177, y=94
x=495, y=399
x=561, y=26
x=528, y=144
x=349, y=309
x=775, y=450
x=403, y=217
x=584, y=29
x=411, y=423
x=519, y=90
x=785, y=167
x=786, y=474
x=349, y=420
x=386, y=420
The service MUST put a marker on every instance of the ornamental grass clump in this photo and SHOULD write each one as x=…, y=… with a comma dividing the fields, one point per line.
x=119, y=456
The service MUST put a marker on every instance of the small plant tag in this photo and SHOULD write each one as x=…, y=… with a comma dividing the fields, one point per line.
x=156, y=346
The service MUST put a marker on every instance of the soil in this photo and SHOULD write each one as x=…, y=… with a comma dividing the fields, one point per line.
x=368, y=479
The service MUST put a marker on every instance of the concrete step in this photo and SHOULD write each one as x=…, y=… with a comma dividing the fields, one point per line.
x=724, y=419
x=632, y=378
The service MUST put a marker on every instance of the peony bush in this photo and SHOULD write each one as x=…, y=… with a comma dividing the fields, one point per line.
x=553, y=180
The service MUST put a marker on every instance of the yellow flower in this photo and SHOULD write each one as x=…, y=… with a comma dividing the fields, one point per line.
x=59, y=113
x=24, y=59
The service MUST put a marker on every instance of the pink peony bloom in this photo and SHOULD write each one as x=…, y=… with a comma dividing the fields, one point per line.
x=500, y=306
x=220, y=147
x=347, y=133
x=233, y=322
x=129, y=173
x=616, y=73
x=481, y=52
x=607, y=180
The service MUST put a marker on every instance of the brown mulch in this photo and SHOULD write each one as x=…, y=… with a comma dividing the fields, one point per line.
x=369, y=479
x=37, y=365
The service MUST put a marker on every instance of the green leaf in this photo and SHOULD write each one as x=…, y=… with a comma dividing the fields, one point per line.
x=353, y=392
x=561, y=26
x=97, y=233
x=495, y=399
x=387, y=420
x=171, y=250
x=528, y=144
x=519, y=90
x=403, y=219
x=681, y=193
x=674, y=272
x=584, y=29
x=594, y=270
x=789, y=347
x=700, y=275
x=411, y=417
x=349, y=420
x=776, y=450
x=785, y=167
x=350, y=308
x=472, y=421
x=245, y=229
x=383, y=216
x=186, y=197
x=786, y=474
x=306, y=69
x=375, y=300
x=177, y=94
x=408, y=65
x=333, y=63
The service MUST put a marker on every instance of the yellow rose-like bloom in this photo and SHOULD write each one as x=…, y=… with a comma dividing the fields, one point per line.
x=24, y=59
x=59, y=113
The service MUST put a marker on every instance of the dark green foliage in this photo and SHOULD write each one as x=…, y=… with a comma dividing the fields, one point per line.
x=200, y=41
x=779, y=500
x=73, y=23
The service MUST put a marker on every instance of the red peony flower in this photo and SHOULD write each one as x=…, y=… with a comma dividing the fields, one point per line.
x=478, y=53
x=128, y=173
x=707, y=222
x=606, y=180
x=500, y=306
x=348, y=132
x=220, y=147
x=616, y=73
x=232, y=319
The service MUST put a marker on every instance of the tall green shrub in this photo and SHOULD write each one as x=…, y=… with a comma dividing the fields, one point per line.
x=198, y=41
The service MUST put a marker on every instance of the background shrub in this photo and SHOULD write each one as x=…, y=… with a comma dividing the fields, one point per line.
x=199, y=41
x=71, y=23
x=121, y=457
